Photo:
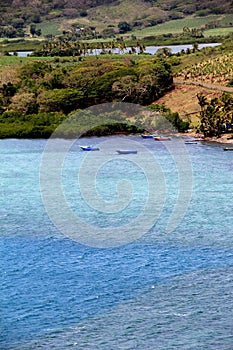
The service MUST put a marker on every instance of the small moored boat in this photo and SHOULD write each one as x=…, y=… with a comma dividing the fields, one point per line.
x=228, y=148
x=190, y=142
x=89, y=148
x=147, y=136
x=127, y=151
x=162, y=138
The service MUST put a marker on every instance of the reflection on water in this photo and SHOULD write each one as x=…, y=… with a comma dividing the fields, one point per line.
x=149, y=49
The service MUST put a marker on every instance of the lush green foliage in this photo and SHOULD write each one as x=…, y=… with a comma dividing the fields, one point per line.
x=15, y=124
x=114, y=128
x=17, y=15
x=174, y=118
x=216, y=116
x=43, y=91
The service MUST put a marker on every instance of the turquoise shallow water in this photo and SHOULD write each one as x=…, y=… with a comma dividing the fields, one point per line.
x=160, y=291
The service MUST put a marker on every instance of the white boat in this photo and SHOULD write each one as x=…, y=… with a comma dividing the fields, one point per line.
x=228, y=148
x=89, y=148
x=126, y=151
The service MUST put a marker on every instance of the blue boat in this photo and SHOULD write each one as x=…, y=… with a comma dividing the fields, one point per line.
x=89, y=148
x=147, y=136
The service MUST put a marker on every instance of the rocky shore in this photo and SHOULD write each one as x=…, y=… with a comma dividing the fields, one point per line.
x=224, y=139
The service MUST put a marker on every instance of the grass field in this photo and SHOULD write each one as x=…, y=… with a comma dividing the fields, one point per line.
x=176, y=26
x=218, y=31
x=6, y=61
x=26, y=44
x=110, y=15
x=126, y=10
x=53, y=28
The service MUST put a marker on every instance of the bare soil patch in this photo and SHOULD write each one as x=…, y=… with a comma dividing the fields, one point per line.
x=183, y=99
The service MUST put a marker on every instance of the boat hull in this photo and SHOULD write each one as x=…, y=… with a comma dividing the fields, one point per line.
x=89, y=148
x=160, y=138
x=127, y=151
x=147, y=136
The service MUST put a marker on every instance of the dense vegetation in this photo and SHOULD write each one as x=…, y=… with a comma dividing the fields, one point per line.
x=212, y=68
x=216, y=116
x=20, y=17
x=173, y=118
x=40, y=94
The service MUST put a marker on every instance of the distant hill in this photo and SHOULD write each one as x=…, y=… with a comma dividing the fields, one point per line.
x=17, y=15
x=37, y=10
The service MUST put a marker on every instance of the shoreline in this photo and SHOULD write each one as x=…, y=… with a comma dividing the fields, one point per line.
x=223, y=139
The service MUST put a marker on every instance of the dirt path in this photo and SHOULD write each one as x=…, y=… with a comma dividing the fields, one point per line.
x=183, y=98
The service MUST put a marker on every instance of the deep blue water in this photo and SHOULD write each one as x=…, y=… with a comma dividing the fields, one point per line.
x=159, y=291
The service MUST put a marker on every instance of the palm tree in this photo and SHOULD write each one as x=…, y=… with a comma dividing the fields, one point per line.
x=195, y=47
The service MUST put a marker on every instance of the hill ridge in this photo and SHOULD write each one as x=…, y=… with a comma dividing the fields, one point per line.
x=21, y=13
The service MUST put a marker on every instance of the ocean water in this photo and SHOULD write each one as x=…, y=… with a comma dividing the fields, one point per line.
x=147, y=287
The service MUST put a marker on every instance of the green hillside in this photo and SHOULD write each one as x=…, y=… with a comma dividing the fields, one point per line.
x=106, y=17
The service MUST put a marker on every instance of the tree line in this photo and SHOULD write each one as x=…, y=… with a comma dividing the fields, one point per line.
x=216, y=115
x=44, y=93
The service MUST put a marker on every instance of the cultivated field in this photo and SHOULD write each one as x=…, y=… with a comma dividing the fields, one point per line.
x=176, y=26
x=215, y=70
